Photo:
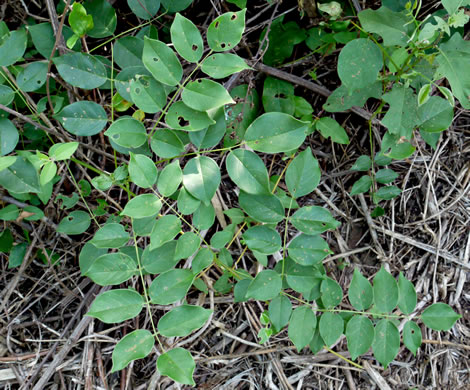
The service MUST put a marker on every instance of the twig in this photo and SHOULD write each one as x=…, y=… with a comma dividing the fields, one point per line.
x=376, y=377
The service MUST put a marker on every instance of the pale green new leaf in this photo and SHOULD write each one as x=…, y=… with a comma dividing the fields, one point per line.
x=178, y=364
x=360, y=335
x=302, y=325
x=116, y=306
x=248, y=171
x=386, y=342
x=62, y=151
x=303, y=174
x=186, y=38
x=183, y=320
x=162, y=62
x=205, y=94
x=48, y=172
x=276, y=132
x=135, y=345
x=170, y=286
x=452, y=6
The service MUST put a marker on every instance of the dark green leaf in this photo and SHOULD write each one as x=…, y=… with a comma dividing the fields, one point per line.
x=262, y=239
x=136, y=345
x=308, y=250
x=116, y=306
x=83, y=118
x=360, y=292
x=263, y=208
x=170, y=286
x=360, y=335
x=386, y=342
x=330, y=128
x=81, y=70
x=332, y=294
x=385, y=291
x=76, y=222
x=265, y=286
x=439, y=316
x=165, y=229
x=111, y=269
x=178, y=364
x=302, y=326
x=280, y=310
x=303, y=174
x=314, y=220
x=407, y=295
x=183, y=320
x=331, y=327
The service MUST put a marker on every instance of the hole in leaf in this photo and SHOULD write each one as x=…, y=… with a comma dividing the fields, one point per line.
x=38, y=81
x=233, y=17
x=70, y=218
x=155, y=59
x=137, y=91
x=280, y=96
x=216, y=25
x=222, y=45
x=182, y=122
x=199, y=81
x=194, y=47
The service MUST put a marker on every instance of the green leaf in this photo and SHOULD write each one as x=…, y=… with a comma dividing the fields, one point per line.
x=263, y=208
x=83, y=118
x=142, y=206
x=412, y=337
x=160, y=259
x=48, y=172
x=20, y=177
x=165, y=229
x=303, y=174
x=81, y=70
x=248, y=172
x=204, y=216
x=201, y=178
x=205, y=94
x=331, y=327
x=170, y=286
x=183, y=320
x=302, y=326
x=385, y=291
x=242, y=114
x=211, y=136
x=453, y=64
x=317, y=343
x=262, y=239
x=111, y=235
x=360, y=292
x=17, y=254
x=187, y=204
x=202, y=260
x=359, y=64
x=187, y=245
x=6, y=95
x=332, y=294
x=452, y=6
x=111, y=269
x=162, y=62
x=127, y=132
x=314, y=220
x=104, y=18
x=144, y=9
x=170, y=178
x=12, y=45
x=386, y=342
x=221, y=65
x=407, y=295
x=278, y=95
x=395, y=147
x=388, y=192
x=341, y=100
x=303, y=279
x=182, y=117
x=225, y=32
x=280, y=310
x=9, y=137
x=402, y=116
x=362, y=185
x=435, y=115
x=142, y=170
x=135, y=345
x=330, y=128
x=80, y=21
x=439, y=316
x=360, y=334
x=147, y=94
x=88, y=255
x=76, y=222
x=9, y=213
x=276, y=132
x=166, y=144
x=385, y=176
x=186, y=38
x=128, y=52
x=178, y=364
x=308, y=250
x=393, y=27
x=116, y=306
x=32, y=77
x=265, y=286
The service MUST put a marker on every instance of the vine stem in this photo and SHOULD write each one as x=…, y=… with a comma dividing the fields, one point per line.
x=342, y=357
x=147, y=301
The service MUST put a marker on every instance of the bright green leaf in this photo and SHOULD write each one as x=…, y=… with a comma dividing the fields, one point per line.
x=32, y=77
x=170, y=178
x=20, y=177
x=160, y=259
x=147, y=94
x=407, y=295
x=142, y=170
x=182, y=117
x=362, y=185
x=127, y=132
x=225, y=32
x=111, y=269
x=222, y=65
x=142, y=206
x=248, y=171
x=165, y=229
x=83, y=118
x=201, y=178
